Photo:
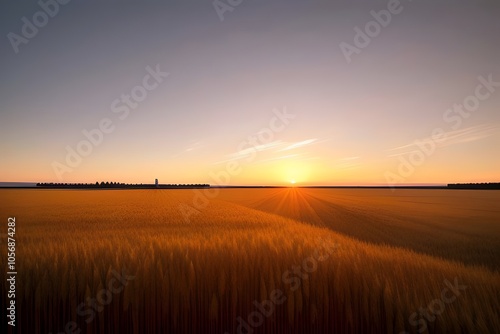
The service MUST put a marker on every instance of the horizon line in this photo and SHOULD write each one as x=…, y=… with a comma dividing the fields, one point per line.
x=81, y=185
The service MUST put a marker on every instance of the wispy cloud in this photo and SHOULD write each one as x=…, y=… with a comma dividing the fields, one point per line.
x=263, y=147
x=453, y=137
x=190, y=147
x=273, y=148
x=470, y=134
x=299, y=144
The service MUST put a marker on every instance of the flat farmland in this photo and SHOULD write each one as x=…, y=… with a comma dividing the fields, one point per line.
x=281, y=260
x=461, y=225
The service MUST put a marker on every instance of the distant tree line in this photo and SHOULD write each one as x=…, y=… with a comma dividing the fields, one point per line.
x=82, y=185
x=108, y=184
x=488, y=185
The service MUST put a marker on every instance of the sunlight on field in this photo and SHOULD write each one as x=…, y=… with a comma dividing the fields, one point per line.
x=201, y=276
x=456, y=225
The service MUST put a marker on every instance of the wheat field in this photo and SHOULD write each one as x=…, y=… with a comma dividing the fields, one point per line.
x=320, y=260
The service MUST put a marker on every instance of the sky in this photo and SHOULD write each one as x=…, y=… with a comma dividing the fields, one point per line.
x=250, y=92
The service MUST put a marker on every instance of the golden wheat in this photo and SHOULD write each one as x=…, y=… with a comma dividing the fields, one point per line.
x=199, y=277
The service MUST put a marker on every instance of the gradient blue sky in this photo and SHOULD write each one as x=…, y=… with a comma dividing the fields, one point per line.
x=353, y=121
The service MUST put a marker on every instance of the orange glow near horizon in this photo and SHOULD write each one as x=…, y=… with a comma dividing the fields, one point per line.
x=281, y=172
